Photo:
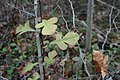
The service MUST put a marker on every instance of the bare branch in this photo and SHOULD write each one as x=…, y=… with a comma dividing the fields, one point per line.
x=110, y=24
x=20, y=9
x=109, y=5
x=115, y=22
x=63, y=17
x=84, y=61
x=72, y=12
x=38, y=42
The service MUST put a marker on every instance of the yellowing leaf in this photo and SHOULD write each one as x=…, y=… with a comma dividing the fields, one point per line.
x=101, y=62
x=70, y=38
x=35, y=76
x=39, y=25
x=59, y=35
x=29, y=67
x=22, y=29
x=30, y=79
x=53, y=20
x=49, y=26
x=52, y=54
x=62, y=45
x=48, y=30
x=50, y=59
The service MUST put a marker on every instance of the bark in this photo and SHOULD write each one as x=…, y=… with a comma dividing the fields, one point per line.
x=90, y=11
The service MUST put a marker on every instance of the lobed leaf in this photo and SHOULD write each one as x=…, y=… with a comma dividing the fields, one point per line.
x=50, y=59
x=39, y=25
x=101, y=62
x=29, y=67
x=49, y=26
x=53, y=20
x=22, y=29
x=36, y=76
x=70, y=38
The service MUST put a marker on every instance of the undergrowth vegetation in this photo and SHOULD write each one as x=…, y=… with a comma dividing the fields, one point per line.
x=46, y=40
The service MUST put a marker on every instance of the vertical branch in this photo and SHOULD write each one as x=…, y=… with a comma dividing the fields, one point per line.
x=38, y=42
x=90, y=9
x=73, y=12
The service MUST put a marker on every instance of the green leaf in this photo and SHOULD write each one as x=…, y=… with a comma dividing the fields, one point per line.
x=62, y=45
x=49, y=26
x=30, y=79
x=52, y=54
x=52, y=20
x=39, y=25
x=70, y=38
x=59, y=35
x=90, y=57
x=50, y=59
x=22, y=29
x=29, y=67
x=35, y=76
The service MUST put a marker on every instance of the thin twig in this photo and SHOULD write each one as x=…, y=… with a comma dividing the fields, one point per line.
x=20, y=9
x=110, y=24
x=109, y=5
x=2, y=78
x=54, y=8
x=115, y=22
x=63, y=17
x=84, y=62
x=73, y=12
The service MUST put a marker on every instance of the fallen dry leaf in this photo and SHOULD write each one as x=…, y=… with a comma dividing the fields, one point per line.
x=101, y=62
x=62, y=63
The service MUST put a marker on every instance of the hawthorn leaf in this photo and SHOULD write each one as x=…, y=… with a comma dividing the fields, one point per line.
x=52, y=54
x=35, y=76
x=22, y=29
x=53, y=20
x=62, y=45
x=50, y=59
x=30, y=79
x=29, y=67
x=39, y=25
x=49, y=26
x=70, y=38
x=59, y=35
x=48, y=30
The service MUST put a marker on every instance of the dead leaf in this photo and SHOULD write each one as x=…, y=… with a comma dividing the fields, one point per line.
x=101, y=62
x=62, y=63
